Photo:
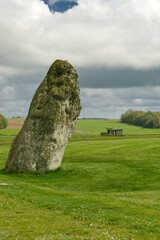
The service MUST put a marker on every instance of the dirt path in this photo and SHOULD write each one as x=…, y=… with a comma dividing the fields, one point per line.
x=75, y=130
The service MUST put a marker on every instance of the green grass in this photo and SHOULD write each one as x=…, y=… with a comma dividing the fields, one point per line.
x=16, y=118
x=7, y=135
x=106, y=188
x=97, y=126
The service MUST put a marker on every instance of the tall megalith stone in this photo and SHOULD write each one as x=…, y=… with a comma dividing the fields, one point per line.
x=53, y=112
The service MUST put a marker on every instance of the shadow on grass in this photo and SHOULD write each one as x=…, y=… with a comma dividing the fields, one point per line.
x=48, y=174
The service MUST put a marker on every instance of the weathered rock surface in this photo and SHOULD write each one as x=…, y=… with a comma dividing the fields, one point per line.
x=53, y=112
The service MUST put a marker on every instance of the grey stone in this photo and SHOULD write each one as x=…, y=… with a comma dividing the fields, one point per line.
x=53, y=112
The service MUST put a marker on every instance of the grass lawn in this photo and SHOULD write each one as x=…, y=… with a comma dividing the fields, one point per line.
x=16, y=118
x=106, y=188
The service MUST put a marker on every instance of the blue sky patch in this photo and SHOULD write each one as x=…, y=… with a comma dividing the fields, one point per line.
x=60, y=6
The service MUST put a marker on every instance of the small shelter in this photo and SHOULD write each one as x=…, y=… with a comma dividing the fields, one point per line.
x=115, y=132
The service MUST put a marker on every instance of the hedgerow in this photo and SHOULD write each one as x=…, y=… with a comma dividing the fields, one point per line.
x=145, y=119
x=3, y=122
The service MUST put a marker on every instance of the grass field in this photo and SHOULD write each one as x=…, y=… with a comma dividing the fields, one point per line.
x=107, y=188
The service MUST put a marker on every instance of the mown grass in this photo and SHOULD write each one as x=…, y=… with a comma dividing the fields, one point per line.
x=16, y=118
x=97, y=126
x=106, y=188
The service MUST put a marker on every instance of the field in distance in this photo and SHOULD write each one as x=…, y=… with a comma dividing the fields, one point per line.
x=106, y=188
x=15, y=122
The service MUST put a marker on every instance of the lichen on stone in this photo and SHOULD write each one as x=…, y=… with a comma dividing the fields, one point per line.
x=53, y=112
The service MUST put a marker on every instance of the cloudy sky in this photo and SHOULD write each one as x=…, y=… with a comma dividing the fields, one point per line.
x=113, y=44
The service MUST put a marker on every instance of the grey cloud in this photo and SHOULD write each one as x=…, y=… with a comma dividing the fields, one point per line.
x=29, y=77
x=14, y=108
x=104, y=92
x=118, y=78
x=53, y=1
x=111, y=103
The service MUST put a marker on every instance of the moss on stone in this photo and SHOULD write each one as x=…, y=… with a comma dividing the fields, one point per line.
x=48, y=126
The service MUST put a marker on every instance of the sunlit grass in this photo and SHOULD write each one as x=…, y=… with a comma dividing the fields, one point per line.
x=106, y=188
x=97, y=126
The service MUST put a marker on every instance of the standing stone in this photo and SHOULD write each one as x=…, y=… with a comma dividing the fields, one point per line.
x=53, y=112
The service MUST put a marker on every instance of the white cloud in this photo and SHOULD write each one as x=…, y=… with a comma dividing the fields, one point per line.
x=109, y=33
x=104, y=33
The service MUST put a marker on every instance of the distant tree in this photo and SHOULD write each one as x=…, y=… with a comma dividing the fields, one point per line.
x=145, y=119
x=3, y=122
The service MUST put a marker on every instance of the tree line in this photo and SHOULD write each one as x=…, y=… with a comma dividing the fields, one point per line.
x=140, y=118
x=3, y=122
